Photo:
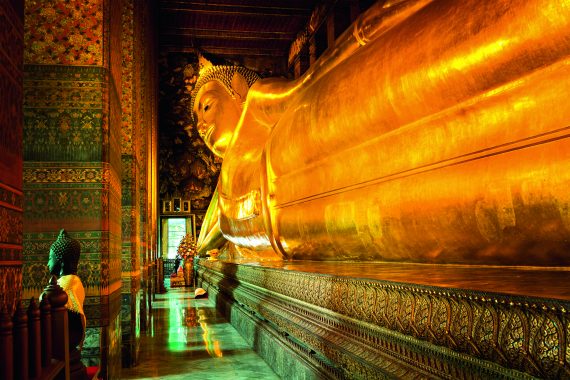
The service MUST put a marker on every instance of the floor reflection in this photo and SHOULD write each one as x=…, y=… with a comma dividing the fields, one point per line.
x=188, y=339
x=212, y=345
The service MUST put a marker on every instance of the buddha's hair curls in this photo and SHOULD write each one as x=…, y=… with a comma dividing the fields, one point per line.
x=224, y=75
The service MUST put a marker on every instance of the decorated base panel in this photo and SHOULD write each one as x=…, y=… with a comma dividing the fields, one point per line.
x=355, y=327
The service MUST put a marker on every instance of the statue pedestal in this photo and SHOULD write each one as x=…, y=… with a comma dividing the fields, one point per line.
x=178, y=279
x=359, y=320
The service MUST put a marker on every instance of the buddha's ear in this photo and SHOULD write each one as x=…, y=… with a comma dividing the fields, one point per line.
x=239, y=85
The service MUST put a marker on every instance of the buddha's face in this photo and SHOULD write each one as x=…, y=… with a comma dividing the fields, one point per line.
x=217, y=113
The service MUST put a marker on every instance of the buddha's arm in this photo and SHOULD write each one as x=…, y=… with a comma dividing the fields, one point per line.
x=210, y=234
x=213, y=240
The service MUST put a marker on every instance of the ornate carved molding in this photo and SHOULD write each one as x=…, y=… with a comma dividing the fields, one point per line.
x=367, y=326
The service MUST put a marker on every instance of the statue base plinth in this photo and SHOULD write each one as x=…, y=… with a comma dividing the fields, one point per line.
x=366, y=320
x=177, y=280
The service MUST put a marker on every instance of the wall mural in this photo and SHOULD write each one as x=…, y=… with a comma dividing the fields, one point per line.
x=64, y=32
x=187, y=169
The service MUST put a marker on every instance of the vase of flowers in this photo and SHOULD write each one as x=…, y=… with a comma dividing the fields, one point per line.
x=187, y=250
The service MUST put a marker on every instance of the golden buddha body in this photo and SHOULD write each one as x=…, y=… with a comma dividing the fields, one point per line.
x=434, y=131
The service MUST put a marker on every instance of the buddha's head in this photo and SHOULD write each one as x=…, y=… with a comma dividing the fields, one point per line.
x=217, y=102
x=64, y=255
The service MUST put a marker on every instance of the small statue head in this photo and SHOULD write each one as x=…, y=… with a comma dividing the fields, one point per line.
x=217, y=102
x=64, y=255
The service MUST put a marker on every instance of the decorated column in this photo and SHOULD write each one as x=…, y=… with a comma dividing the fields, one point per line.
x=138, y=138
x=72, y=156
x=11, y=199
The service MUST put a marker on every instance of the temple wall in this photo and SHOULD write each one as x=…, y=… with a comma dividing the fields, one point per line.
x=187, y=167
x=84, y=160
x=11, y=196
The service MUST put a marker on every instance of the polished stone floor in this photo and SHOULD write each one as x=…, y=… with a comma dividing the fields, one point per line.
x=189, y=339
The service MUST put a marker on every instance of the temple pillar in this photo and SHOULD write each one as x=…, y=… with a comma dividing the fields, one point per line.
x=130, y=156
x=354, y=7
x=89, y=161
x=330, y=29
x=313, y=39
x=145, y=68
x=302, y=62
x=72, y=157
x=312, y=51
x=11, y=196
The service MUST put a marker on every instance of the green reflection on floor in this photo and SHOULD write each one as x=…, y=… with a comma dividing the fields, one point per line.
x=191, y=340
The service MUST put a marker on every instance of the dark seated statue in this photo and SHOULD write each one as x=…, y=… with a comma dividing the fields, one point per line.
x=63, y=262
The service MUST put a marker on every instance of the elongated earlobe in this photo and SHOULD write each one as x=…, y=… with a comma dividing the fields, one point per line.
x=240, y=87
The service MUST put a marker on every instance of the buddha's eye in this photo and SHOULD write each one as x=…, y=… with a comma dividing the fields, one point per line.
x=206, y=107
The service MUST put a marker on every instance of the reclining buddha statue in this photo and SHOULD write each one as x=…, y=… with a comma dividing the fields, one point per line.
x=432, y=132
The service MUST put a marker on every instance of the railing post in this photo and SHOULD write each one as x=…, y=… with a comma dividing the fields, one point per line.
x=6, y=346
x=60, y=330
x=45, y=319
x=35, y=342
x=21, y=363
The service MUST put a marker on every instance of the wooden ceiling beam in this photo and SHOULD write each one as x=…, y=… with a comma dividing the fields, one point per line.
x=200, y=33
x=236, y=11
x=274, y=6
x=233, y=52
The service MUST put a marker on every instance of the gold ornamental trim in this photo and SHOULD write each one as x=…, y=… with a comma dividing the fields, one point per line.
x=67, y=175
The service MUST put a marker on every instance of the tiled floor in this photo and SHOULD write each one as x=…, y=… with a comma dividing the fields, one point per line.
x=188, y=339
